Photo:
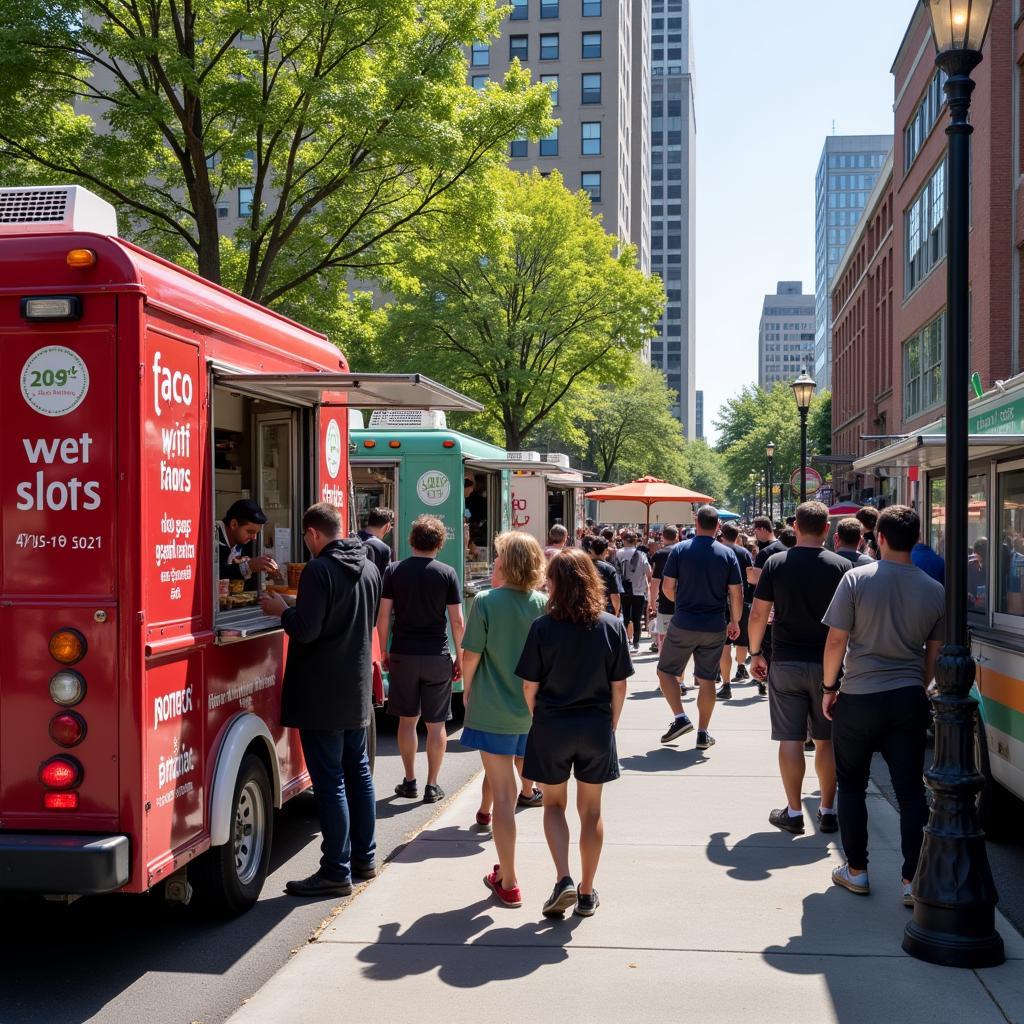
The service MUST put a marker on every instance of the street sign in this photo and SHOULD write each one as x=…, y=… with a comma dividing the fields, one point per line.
x=812, y=480
x=825, y=495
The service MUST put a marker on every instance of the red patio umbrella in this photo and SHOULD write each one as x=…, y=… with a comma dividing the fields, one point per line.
x=621, y=504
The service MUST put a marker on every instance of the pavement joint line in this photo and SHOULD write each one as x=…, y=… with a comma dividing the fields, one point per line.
x=568, y=946
x=991, y=994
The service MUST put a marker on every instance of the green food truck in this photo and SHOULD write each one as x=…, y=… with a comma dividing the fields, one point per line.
x=411, y=462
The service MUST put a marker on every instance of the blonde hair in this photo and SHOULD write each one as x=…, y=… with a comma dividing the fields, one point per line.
x=522, y=559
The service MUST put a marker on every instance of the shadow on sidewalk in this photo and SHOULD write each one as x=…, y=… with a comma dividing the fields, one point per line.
x=439, y=942
x=663, y=759
x=444, y=844
x=754, y=858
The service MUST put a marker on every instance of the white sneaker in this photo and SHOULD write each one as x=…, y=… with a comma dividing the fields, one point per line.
x=854, y=882
x=908, y=894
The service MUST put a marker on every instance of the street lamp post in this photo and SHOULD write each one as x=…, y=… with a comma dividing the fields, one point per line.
x=954, y=895
x=769, y=451
x=803, y=392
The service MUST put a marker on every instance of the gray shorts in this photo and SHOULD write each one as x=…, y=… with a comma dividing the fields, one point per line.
x=794, y=701
x=420, y=685
x=680, y=645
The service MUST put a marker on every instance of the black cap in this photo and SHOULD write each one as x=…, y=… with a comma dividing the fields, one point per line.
x=245, y=510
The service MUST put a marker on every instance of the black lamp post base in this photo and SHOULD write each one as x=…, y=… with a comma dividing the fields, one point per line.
x=949, y=950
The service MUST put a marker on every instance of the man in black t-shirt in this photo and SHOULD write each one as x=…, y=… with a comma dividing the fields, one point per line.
x=379, y=524
x=730, y=536
x=661, y=607
x=426, y=595
x=609, y=574
x=799, y=584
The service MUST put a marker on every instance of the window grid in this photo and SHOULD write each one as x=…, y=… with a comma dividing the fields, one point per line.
x=591, y=88
x=590, y=181
x=549, y=46
x=922, y=368
x=591, y=142
x=591, y=44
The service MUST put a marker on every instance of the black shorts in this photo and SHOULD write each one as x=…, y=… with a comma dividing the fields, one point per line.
x=680, y=645
x=583, y=746
x=794, y=701
x=420, y=685
x=743, y=640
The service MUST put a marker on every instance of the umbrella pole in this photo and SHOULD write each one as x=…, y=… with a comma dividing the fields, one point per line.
x=648, y=533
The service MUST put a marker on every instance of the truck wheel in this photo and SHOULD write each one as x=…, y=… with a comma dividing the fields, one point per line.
x=228, y=879
x=371, y=740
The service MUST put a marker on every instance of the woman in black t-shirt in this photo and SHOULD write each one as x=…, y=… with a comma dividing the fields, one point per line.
x=574, y=669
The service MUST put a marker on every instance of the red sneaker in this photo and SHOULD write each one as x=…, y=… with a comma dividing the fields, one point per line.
x=509, y=897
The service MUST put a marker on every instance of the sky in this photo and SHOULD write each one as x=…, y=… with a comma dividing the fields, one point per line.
x=770, y=81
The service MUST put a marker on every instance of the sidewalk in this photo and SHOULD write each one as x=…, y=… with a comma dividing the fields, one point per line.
x=707, y=912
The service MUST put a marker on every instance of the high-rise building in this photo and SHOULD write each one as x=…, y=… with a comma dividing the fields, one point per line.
x=847, y=172
x=673, y=199
x=595, y=55
x=785, y=339
x=699, y=418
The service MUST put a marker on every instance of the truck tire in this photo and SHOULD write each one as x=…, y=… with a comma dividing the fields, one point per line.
x=228, y=879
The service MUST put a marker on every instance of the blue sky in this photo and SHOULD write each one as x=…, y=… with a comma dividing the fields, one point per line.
x=770, y=81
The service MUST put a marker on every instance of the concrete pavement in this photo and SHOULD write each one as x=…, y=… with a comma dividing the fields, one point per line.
x=706, y=911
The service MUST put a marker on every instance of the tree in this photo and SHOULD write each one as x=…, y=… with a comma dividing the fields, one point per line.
x=703, y=470
x=351, y=123
x=748, y=422
x=527, y=307
x=819, y=425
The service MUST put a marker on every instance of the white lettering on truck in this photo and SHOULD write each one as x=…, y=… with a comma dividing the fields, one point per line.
x=58, y=495
x=172, y=705
x=173, y=387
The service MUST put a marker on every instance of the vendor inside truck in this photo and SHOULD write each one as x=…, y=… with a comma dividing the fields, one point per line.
x=237, y=534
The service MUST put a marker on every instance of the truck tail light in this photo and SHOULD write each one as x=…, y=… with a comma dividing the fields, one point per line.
x=52, y=307
x=67, y=688
x=67, y=728
x=60, y=801
x=60, y=773
x=81, y=258
x=67, y=646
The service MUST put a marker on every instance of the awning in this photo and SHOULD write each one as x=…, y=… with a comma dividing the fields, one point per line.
x=363, y=390
x=928, y=451
x=552, y=473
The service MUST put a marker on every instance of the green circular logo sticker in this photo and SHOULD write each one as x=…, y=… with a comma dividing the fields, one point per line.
x=433, y=488
x=54, y=380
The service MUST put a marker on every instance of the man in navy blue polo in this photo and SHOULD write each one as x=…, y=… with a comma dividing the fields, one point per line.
x=703, y=578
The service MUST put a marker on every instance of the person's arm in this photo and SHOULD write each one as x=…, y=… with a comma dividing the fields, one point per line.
x=618, y=700
x=470, y=662
x=616, y=603
x=458, y=629
x=384, y=630
x=736, y=610
x=931, y=656
x=668, y=587
x=835, y=651
x=758, y=623
x=530, y=694
x=305, y=620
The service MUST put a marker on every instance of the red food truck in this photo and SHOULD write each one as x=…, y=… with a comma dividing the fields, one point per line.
x=140, y=740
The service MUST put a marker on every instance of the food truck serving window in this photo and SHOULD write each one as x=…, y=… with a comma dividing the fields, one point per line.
x=978, y=575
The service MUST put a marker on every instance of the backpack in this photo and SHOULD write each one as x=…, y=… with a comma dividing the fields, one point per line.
x=627, y=582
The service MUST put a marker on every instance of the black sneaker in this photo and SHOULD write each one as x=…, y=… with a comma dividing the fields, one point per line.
x=828, y=822
x=562, y=897
x=762, y=689
x=724, y=692
x=586, y=904
x=704, y=739
x=318, y=884
x=683, y=691
x=653, y=648
x=431, y=794
x=809, y=746
x=677, y=727
x=741, y=674
x=364, y=872
x=407, y=788
x=781, y=818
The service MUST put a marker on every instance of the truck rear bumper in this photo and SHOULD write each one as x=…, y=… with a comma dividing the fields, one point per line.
x=65, y=864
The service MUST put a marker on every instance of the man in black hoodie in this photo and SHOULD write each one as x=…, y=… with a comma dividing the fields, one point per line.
x=327, y=695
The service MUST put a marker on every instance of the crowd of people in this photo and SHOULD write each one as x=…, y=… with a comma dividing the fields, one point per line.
x=841, y=638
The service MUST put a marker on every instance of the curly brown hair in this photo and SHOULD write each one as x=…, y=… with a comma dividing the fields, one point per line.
x=575, y=591
x=427, y=533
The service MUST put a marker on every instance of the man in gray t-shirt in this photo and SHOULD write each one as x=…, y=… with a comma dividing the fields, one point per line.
x=887, y=620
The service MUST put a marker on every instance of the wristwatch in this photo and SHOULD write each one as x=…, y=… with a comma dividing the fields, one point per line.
x=755, y=654
x=830, y=689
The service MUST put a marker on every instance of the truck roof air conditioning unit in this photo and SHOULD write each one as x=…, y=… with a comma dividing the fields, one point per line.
x=355, y=420
x=523, y=456
x=47, y=209
x=408, y=419
x=559, y=459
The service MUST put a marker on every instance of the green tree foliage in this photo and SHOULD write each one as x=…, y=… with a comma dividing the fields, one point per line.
x=351, y=122
x=704, y=470
x=746, y=424
x=819, y=425
x=528, y=306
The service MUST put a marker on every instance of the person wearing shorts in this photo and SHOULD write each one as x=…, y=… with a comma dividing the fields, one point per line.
x=425, y=595
x=661, y=606
x=703, y=578
x=574, y=667
x=730, y=537
x=799, y=585
x=497, y=718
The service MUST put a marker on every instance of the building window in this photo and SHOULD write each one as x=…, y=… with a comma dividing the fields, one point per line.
x=591, y=8
x=592, y=88
x=479, y=81
x=517, y=147
x=1010, y=579
x=481, y=55
x=222, y=210
x=922, y=369
x=549, y=144
x=245, y=195
x=551, y=80
x=591, y=44
x=591, y=138
x=923, y=119
x=549, y=47
x=519, y=46
x=925, y=231
x=591, y=183
x=549, y=8
x=520, y=10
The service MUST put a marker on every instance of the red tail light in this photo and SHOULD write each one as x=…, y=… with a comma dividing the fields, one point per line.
x=67, y=728
x=60, y=773
x=60, y=801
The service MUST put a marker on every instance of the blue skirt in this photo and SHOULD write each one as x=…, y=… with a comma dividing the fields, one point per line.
x=509, y=744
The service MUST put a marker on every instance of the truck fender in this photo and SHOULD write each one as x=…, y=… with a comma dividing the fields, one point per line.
x=240, y=734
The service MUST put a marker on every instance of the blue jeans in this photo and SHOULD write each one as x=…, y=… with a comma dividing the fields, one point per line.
x=343, y=786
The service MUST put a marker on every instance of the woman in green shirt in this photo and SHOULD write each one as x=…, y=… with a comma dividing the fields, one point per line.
x=497, y=718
